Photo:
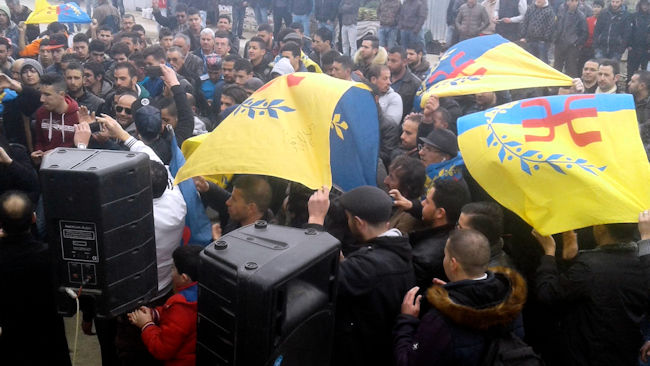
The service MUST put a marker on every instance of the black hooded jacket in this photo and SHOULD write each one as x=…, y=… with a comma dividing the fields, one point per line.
x=372, y=283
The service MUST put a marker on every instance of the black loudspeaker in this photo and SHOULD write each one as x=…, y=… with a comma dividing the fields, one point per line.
x=99, y=214
x=266, y=297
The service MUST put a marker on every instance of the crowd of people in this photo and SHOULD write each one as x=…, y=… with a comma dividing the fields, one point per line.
x=432, y=270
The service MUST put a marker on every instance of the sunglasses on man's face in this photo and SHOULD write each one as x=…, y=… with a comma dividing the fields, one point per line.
x=119, y=109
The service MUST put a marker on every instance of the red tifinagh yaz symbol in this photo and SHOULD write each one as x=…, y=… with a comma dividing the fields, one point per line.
x=565, y=117
x=458, y=70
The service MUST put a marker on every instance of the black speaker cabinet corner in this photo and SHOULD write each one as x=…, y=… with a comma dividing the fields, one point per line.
x=99, y=214
x=267, y=297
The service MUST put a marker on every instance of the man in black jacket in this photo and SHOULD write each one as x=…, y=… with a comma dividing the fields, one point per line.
x=402, y=79
x=570, y=34
x=612, y=31
x=28, y=310
x=601, y=297
x=475, y=301
x=371, y=279
x=440, y=210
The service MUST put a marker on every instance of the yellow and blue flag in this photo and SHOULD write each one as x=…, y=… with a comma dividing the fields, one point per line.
x=560, y=162
x=44, y=13
x=304, y=127
x=483, y=64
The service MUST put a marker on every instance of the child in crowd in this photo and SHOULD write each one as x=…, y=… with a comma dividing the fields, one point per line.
x=169, y=331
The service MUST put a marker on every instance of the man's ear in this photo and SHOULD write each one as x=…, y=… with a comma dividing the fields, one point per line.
x=440, y=213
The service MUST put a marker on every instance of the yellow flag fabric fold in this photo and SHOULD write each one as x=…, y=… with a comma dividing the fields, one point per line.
x=488, y=63
x=561, y=162
x=284, y=130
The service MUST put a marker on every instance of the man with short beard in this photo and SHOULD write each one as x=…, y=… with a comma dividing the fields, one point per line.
x=590, y=76
x=74, y=80
x=5, y=59
x=124, y=112
x=417, y=61
x=402, y=80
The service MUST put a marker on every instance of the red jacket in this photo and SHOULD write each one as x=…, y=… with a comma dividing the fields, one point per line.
x=173, y=339
x=55, y=130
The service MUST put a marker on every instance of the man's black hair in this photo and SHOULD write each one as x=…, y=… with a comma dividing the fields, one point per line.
x=374, y=71
x=138, y=59
x=236, y=92
x=325, y=34
x=471, y=249
x=255, y=189
x=120, y=48
x=105, y=27
x=75, y=66
x=55, y=27
x=165, y=32
x=297, y=26
x=157, y=52
x=243, y=64
x=373, y=39
x=168, y=104
x=5, y=41
x=328, y=57
x=127, y=65
x=222, y=34
x=16, y=212
x=135, y=37
x=181, y=8
x=452, y=196
x=187, y=259
x=138, y=27
x=400, y=50
x=265, y=27
x=259, y=41
x=283, y=33
x=192, y=11
x=411, y=175
x=293, y=47
x=644, y=77
x=54, y=80
x=623, y=233
x=485, y=217
x=418, y=47
x=613, y=63
x=95, y=67
x=159, y=178
x=70, y=57
x=225, y=16
x=231, y=58
x=80, y=37
x=345, y=61
x=96, y=46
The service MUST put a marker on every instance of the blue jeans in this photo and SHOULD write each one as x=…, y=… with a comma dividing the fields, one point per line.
x=407, y=38
x=90, y=4
x=261, y=15
x=304, y=19
x=238, y=13
x=328, y=26
x=539, y=49
x=614, y=55
x=388, y=37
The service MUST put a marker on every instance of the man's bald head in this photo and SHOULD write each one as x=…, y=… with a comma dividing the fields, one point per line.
x=471, y=250
x=16, y=212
